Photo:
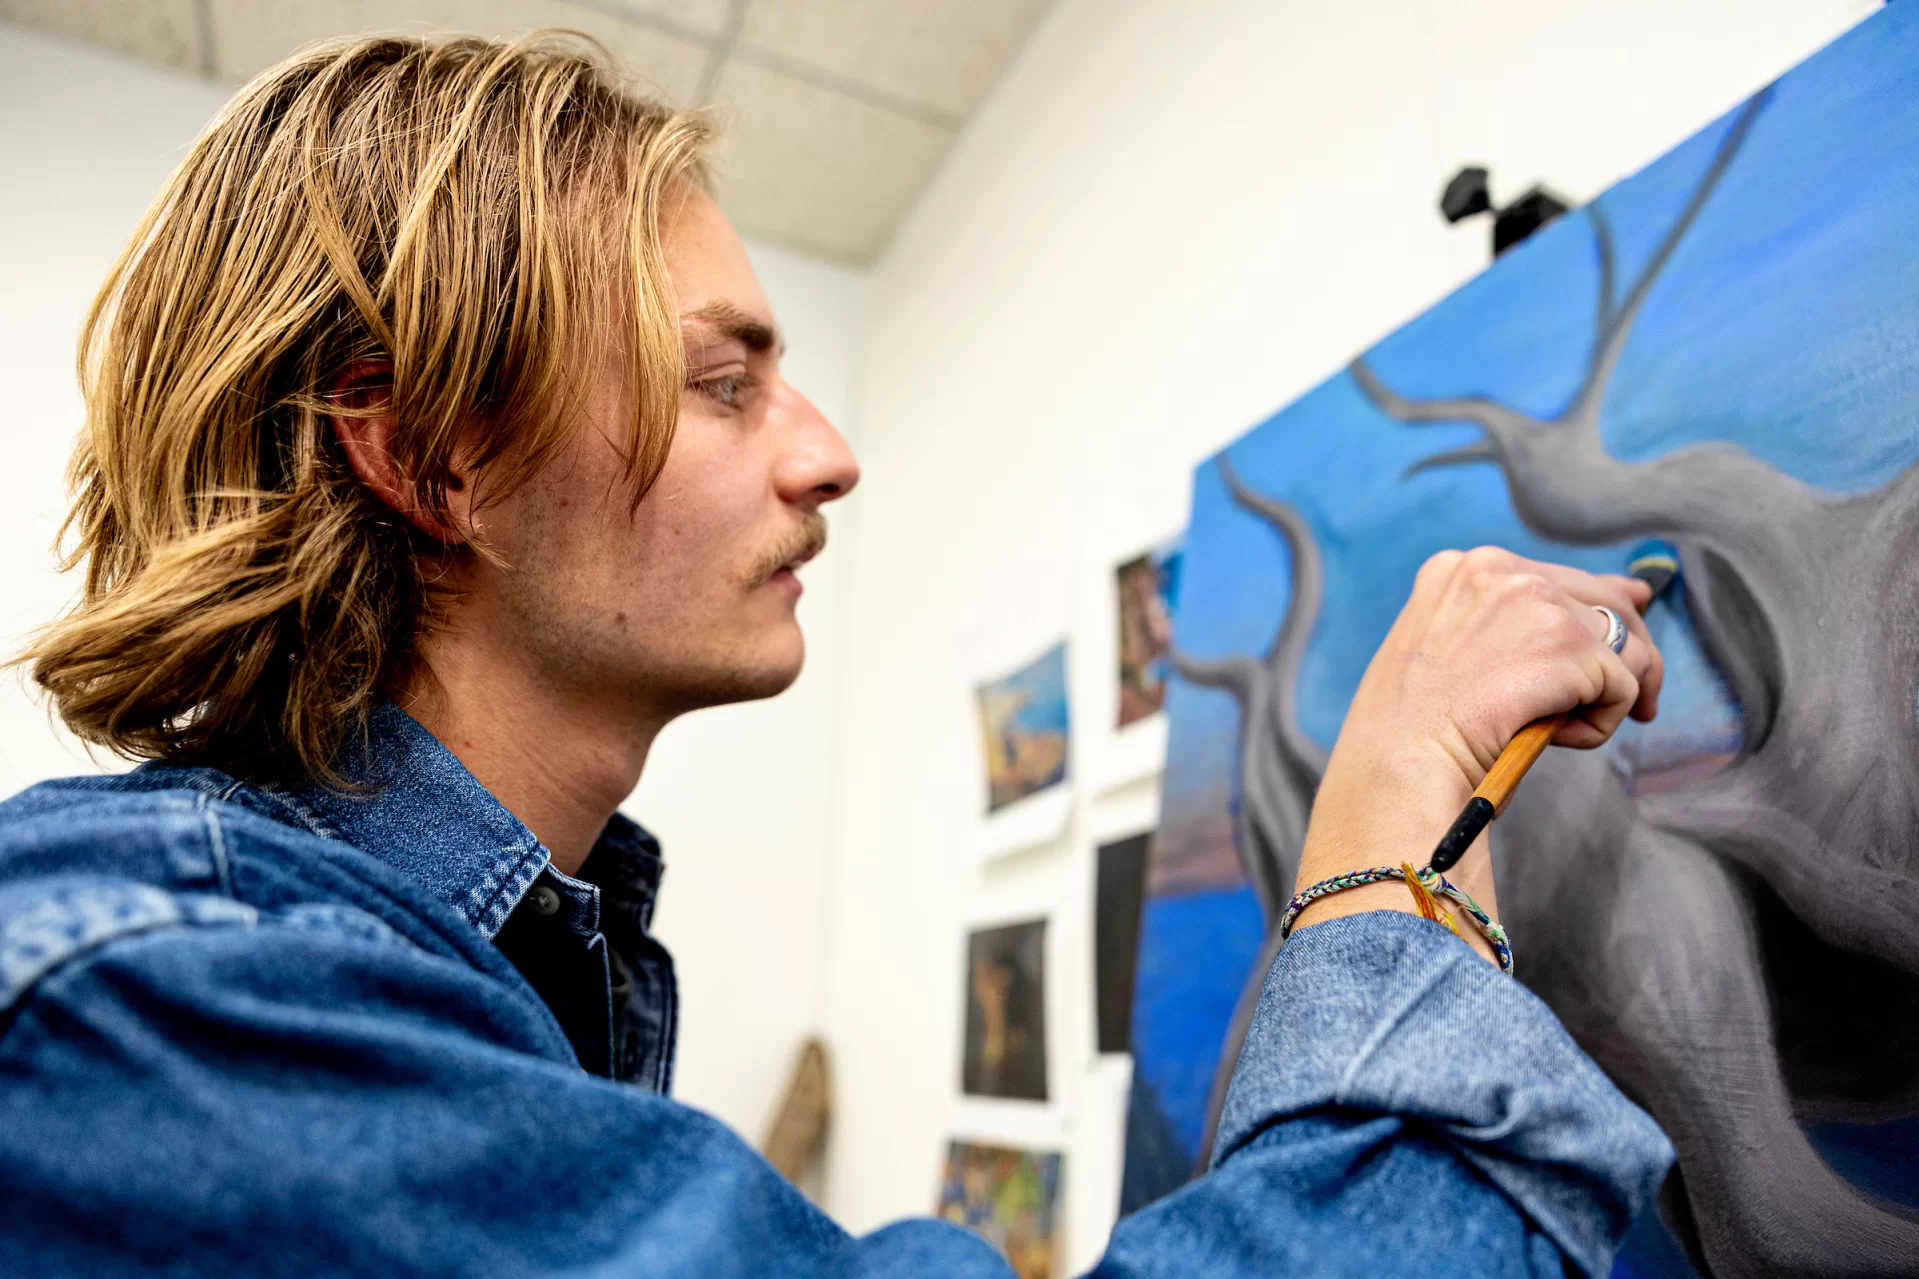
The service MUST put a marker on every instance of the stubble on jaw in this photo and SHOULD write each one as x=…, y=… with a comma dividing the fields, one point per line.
x=663, y=655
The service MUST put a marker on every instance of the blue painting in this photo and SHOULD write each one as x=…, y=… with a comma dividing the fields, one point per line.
x=1023, y=727
x=1721, y=351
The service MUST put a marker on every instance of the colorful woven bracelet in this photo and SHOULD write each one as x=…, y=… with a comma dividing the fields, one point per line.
x=1428, y=880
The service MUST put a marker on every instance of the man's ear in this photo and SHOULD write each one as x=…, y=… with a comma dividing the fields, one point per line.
x=365, y=429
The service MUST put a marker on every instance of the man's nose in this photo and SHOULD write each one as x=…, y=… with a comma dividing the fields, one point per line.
x=816, y=465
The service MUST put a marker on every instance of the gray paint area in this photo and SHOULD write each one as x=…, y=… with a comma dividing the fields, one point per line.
x=1741, y=953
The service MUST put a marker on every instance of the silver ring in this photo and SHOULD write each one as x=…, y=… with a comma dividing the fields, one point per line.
x=1615, y=628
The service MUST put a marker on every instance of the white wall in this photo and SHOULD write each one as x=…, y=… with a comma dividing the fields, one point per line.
x=85, y=141
x=1169, y=220
x=738, y=795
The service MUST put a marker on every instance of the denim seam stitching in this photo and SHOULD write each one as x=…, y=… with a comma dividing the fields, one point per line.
x=216, y=846
x=13, y=1002
x=312, y=820
x=14, y=996
x=512, y=874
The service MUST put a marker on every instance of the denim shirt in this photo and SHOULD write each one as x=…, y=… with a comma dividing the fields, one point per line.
x=247, y=1030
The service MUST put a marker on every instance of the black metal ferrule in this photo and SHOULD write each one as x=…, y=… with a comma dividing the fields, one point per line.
x=1473, y=818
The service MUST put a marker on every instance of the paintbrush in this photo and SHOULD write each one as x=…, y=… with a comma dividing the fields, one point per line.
x=1654, y=563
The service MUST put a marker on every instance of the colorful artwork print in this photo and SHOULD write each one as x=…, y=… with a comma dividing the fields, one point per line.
x=1722, y=352
x=1023, y=724
x=1006, y=1012
x=1009, y=1196
x=1146, y=590
x=1120, y=876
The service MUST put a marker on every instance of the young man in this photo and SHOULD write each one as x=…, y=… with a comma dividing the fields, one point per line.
x=437, y=455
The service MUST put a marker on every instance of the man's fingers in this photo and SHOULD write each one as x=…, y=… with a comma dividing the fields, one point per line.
x=1648, y=666
x=1626, y=596
x=1641, y=655
x=1591, y=724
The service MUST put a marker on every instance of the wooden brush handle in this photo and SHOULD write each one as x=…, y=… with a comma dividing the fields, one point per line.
x=1502, y=779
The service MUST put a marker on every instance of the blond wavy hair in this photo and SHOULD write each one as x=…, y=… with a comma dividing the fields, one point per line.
x=479, y=216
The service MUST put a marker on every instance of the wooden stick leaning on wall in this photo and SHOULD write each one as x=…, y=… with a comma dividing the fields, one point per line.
x=797, y=1134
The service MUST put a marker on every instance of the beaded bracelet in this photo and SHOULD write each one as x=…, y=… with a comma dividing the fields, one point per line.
x=1423, y=884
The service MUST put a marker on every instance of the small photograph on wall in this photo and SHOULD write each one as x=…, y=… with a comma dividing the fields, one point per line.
x=1006, y=1012
x=1010, y=1197
x=1118, y=892
x=1023, y=723
x=1147, y=590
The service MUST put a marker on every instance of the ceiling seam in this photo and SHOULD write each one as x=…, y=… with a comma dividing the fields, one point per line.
x=203, y=38
x=846, y=87
x=722, y=49
x=652, y=21
x=727, y=44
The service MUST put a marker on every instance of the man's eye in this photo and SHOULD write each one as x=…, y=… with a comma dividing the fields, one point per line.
x=728, y=391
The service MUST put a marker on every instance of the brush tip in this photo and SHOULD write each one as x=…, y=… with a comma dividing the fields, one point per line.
x=1655, y=563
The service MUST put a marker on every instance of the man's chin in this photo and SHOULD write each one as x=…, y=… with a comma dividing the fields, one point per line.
x=743, y=682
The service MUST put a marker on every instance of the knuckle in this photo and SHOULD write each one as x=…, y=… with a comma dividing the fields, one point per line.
x=1440, y=566
x=1488, y=560
x=1528, y=587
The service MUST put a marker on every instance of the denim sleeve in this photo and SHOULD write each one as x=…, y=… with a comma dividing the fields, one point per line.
x=1400, y=1104
x=228, y=1091
x=225, y=1092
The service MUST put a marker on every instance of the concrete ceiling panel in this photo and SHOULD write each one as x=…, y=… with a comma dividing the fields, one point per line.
x=835, y=113
x=939, y=53
x=704, y=19
x=251, y=35
x=162, y=31
x=816, y=169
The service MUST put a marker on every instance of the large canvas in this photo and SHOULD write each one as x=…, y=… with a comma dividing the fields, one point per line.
x=1723, y=906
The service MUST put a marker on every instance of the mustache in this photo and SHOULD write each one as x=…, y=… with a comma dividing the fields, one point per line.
x=803, y=542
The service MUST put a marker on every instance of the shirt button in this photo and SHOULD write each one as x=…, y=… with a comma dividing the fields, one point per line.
x=543, y=900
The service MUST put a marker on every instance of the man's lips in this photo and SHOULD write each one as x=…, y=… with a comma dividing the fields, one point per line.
x=807, y=542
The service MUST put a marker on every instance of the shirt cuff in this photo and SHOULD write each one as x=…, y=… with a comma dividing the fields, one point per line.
x=1388, y=1012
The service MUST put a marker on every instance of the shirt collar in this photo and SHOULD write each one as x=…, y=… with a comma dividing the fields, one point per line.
x=425, y=815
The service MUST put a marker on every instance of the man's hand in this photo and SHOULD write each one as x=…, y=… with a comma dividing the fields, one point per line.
x=1488, y=642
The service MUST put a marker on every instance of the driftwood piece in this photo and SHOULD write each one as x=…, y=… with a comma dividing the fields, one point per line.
x=797, y=1134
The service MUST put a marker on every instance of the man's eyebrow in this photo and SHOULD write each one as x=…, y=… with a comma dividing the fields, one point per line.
x=734, y=322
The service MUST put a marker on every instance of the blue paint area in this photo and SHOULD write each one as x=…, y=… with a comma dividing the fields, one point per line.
x=1698, y=713
x=1177, y=1008
x=1651, y=1252
x=1167, y=560
x=1880, y=1159
x=1787, y=322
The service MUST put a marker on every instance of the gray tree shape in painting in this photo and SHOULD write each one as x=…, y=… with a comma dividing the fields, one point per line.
x=1279, y=765
x=1741, y=953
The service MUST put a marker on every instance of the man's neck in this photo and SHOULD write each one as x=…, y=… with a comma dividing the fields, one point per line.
x=559, y=763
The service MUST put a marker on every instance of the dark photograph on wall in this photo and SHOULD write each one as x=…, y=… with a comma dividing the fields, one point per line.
x=1119, y=886
x=1006, y=1012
